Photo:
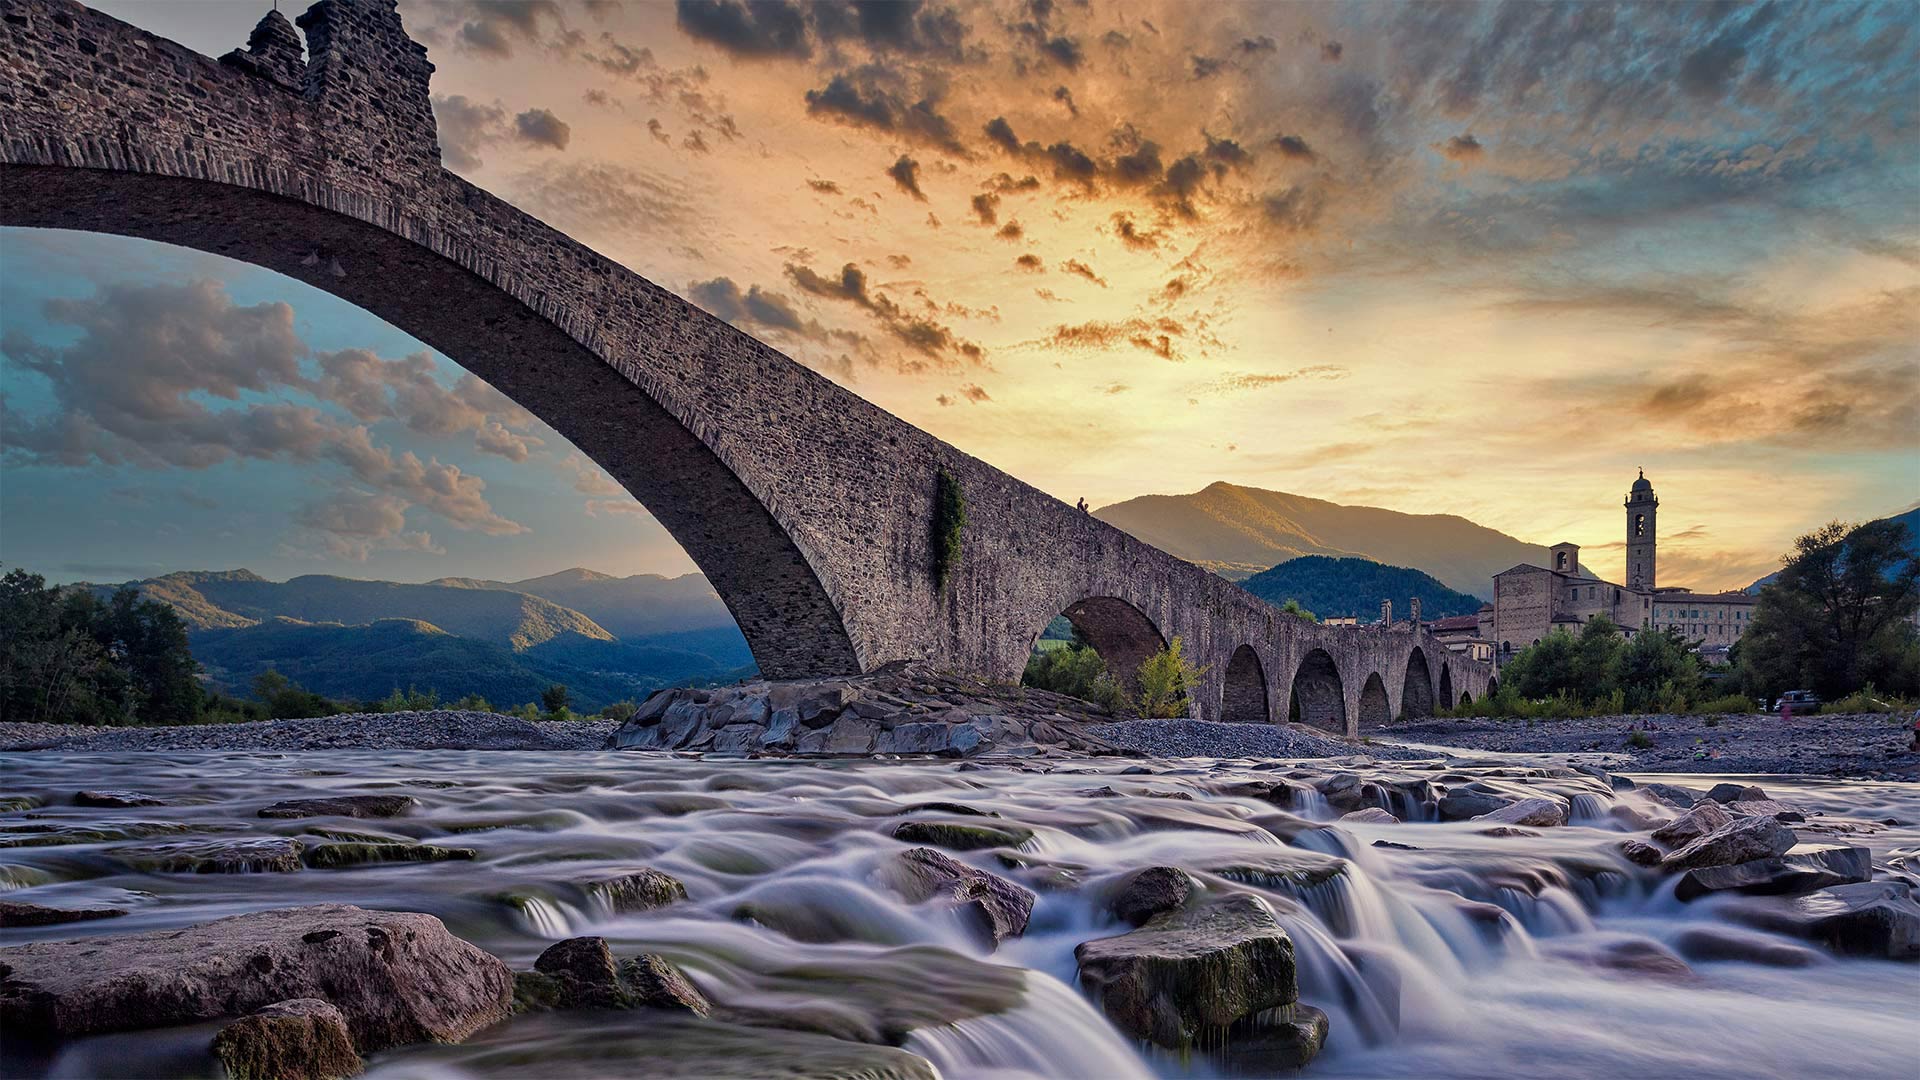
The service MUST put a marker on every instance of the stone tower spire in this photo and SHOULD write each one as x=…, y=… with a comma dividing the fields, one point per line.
x=273, y=51
x=1641, y=534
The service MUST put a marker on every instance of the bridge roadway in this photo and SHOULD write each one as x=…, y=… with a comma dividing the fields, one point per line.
x=809, y=509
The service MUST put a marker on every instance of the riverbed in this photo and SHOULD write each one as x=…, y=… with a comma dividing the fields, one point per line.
x=1453, y=954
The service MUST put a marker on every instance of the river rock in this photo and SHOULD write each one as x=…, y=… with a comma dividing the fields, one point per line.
x=1186, y=975
x=1640, y=853
x=1150, y=892
x=1535, y=812
x=1692, y=825
x=1285, y=869
x=1730, y=793
x=997, y=908
x=256, y=855
x=1874, y=918
x=115, y=799
x=1371, y=815
x=584, y=970
x=1283, y=1040
x=302, y=1039
x=1628, y=956
x=1803, y=868
x=397, y=977
x=1471, y=801
x=961, y=837
x=1729, y=943
x=643, y=890
x=339, y=854
x=1674, y=795
x=15, y=913
x=652, y=981
x=1742, y=840
x=353, y=806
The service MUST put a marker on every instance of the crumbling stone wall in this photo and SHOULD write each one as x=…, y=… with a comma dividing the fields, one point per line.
x=808, y=508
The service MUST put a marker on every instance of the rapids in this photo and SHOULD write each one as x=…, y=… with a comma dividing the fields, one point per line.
x=1459, y=958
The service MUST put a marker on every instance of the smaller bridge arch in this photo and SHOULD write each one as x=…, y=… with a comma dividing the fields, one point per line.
x=1416, y=689
x=1122, y=634
x=1319, y=696
x=1446, y=699
x=1243, y=690
x=1374, y=709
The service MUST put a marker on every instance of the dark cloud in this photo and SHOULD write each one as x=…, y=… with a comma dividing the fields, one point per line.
x=1132, y=235
x=1003, y=184
x=1080, y=269
x=1294, y=147
x=1114, y=39
x=1226, y=153
x=541, y=128
x=1253, y=46
x=1331, y=50
x=749, y=29
x=1031, y=263
x=1012, y=230
x=859, y=100
x=824, y=187
x=1206, y=67
x=1139, y=167
x=1065, y=97
x=906, y=175
x=1000, y=133
x=1462, y=148
x=1294, y=209
x=659, y=132
x=696, y=143
x=760, y=309
x=492, y=28
x=598, y=97
x=974, y=393
x=986, y=208
x=1154, y=336
x=1064, y=51
x=1071, y=164
x=930, y=339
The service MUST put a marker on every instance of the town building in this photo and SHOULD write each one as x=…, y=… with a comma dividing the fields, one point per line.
x=1530, y=602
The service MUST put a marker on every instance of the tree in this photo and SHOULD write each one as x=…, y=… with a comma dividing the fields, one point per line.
x=1544, y=669
x=1164, y=678
x=1596, y=658
x=287, y=700
x=1075, y=670
x=68, y=657
x=1657, y=670
x=554, y=699
x=1836, y=617
x=1292, y=607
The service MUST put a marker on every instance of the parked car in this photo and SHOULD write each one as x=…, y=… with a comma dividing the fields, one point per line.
x=1803, y=700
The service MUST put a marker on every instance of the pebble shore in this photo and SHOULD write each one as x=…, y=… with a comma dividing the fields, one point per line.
x=437, y=729
x=1205, y=738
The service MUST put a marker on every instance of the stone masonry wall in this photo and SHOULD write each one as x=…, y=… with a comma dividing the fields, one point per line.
x=808, y=508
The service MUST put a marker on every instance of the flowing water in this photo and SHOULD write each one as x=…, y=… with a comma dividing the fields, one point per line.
x=1470, y=956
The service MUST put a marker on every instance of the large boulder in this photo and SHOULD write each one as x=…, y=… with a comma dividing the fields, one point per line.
x=643, y=890
x=1803, y=868
x=1874, y=918
x=1536, y=812
x=1697, y=822
x=581, y=973
x=960, y=836
x=1730, y=943
x=1150, y=892
x=302, y=1039
x=397, y=977
x=1743, y=840
x=1185, y=976
x=995, y=907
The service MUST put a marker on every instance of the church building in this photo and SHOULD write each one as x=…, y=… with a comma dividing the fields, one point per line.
x=1530, y=602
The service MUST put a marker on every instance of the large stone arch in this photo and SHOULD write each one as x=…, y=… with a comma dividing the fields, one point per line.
x=1445, y=699
x=1243, y=689
x=1121, y=633
x=1416, y=689
x=1319, y=696
x=1374, y=708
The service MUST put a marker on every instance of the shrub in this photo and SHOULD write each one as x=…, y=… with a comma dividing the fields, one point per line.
x=285, y=699
x=1164, y=678
x=409, y=700
x=554, y=699
x=474, y=703
x=1725, y=703
x=527, y=711
x=620, y=710
x=1639, y=740
x=1869, y=700
x=1075, y=670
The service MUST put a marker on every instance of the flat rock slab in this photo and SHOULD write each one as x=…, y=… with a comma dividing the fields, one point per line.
x=15, y=913
x=398, y=977
x=1874, y=918
x=352, y=806
x=996, y=908
x=255, y=855
x=1743, y=840
x=115, y=799
x=1540, y=813
x=1803, y=868
x=961, y=836
x=1187, y=975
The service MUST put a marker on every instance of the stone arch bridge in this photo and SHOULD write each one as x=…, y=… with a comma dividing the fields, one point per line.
x=809, y=509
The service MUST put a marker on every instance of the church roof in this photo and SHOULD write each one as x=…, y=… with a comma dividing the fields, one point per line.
x=1642, y=484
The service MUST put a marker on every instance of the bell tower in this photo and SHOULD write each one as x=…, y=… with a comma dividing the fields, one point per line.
x=1641, y=506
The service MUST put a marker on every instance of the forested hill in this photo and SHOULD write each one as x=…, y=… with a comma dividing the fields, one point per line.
x=1331, y=587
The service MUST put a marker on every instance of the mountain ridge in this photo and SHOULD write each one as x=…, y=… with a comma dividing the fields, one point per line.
x=1232, y=527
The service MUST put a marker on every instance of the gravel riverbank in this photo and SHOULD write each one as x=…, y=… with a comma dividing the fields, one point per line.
x=1872, y=745
x=437, y=729
x=1205, y=738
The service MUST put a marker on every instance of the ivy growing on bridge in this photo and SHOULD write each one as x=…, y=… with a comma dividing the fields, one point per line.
x=949, y=518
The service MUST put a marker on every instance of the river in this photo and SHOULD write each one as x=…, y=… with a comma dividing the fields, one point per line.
x=787, y=925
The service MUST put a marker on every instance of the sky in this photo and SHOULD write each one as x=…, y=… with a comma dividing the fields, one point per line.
x=1480, y=259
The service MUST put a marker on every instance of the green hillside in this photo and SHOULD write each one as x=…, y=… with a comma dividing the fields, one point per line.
x=1334, y=587
x=366, y=662
x=643, y=605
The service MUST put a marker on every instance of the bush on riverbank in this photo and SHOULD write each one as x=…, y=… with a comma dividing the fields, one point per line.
x=1870, y=700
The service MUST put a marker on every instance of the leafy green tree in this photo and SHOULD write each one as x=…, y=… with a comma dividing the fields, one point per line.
x=1596, y=658
x=285, y=699
x=553, y=700
x=1547, y=668
x=1657, y=671
x=1292, y=607
x=1836, y=617
x=1164, y=678
x=68, y=657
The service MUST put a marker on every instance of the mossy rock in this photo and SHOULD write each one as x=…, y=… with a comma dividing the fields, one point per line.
x=643, y=890
x=50, y=835
x=353, y=853
x=255, y=855
x=958, y=837
x=12, y=803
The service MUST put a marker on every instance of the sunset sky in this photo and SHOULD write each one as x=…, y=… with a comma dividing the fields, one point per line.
x=1473, y=259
